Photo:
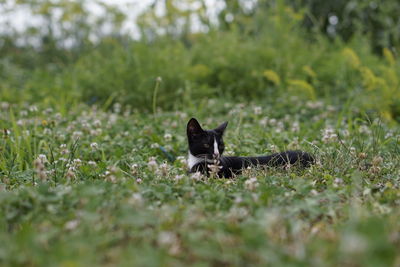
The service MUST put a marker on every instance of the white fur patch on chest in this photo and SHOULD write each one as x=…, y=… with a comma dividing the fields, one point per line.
x=193, y=160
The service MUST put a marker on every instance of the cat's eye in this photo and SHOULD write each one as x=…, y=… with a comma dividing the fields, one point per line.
x=206, y=145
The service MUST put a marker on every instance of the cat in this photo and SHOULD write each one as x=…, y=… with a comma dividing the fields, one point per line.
x=207, y=146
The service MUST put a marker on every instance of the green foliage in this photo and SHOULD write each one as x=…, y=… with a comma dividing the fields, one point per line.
x=93, y=187
x=270, y=56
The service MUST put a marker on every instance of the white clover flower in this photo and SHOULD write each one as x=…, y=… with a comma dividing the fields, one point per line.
x=4, y=105
x=251, y=183
x=77, y=162
x=77, y=134
x=155, y=145
x=182, y=160
x=134, y=169
x=33, y=109
x=329, y=135
x=152, y=164
x=164, y=168
x=42, y=158
x=71, y=225
x=136, y=199
x=97, y=123
x=197, y=176
x=92, y=163
x=257, y=110
x=70, y=173
x=295, y=126
x=179, y=177
x=272, y=122
x=94, y=146
x=167, y=137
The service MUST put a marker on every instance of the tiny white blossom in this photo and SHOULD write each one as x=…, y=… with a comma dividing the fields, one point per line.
x=257, y=110
x=94, y=146
x=92, y=163
x=167, y=137
x=251, y=183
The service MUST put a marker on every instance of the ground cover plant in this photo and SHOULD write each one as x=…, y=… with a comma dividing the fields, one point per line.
x=88, y=186
x=93, y=134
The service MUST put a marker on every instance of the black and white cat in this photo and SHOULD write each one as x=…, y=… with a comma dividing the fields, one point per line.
x=206, y=148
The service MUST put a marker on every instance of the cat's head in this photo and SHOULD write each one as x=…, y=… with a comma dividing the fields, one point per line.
x=205, y=143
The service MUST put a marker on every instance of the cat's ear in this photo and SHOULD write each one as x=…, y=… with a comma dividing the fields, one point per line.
x=220, y=129
x=194, y=128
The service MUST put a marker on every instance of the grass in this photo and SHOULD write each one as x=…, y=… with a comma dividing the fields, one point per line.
x=93, y=187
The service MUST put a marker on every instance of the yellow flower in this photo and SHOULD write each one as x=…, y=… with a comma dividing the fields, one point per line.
x=351, y=57
x=303, y=87
x=272, y=76
x=309, y=71
x=389, y=56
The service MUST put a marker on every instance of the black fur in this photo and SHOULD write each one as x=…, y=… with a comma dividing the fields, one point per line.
x=201, y=146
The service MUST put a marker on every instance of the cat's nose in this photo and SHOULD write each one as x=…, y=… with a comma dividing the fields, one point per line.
x=216, y=155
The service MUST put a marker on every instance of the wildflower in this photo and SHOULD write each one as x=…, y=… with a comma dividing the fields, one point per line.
x=178, y=177
x=257, y=110
x=97, y=123
x=64, y=149
x=77, y=162
x=170, y=241
x=136, y=199
x=117, y=108
x=110, y=174
x=139, y=180
x=182, y=160
x=77, y=134
x=362, y=155
x=197, y=176
x=167, y=137
x=33, y=109
x=272, y=122
x=40, y=168
x=96, y=132
x=71, y=225
x=251, y=183
x=214, y=167
x=164, y=169
x=70, y=173
x=264, y=121
x=377, y=160
x=94, y=146
x=92, y=163
x=48, y=111
x=329, y=135
x=134, y=169
x=152, y=164
x=155, y=145
x=364, y=129
x=4, y=105
x=295, y=126
x=238, y=200
x=42, y=158
x=273, y=148
x=158, y=79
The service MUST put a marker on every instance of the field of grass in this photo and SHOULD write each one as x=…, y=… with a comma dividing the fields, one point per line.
x=93, y=145
x=86, y=186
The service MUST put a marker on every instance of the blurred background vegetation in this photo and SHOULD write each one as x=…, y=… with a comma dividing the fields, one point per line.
x=345, y=52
